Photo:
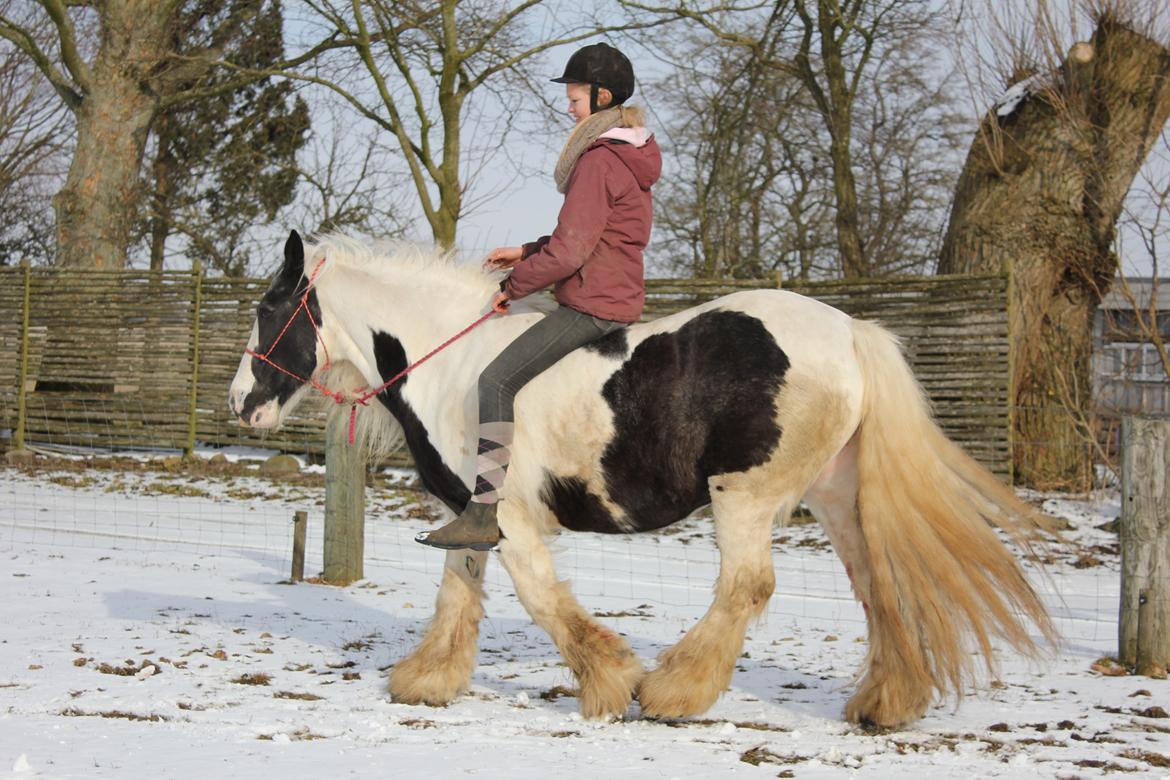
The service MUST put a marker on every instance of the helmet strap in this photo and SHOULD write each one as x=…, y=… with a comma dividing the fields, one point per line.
x=593, y=107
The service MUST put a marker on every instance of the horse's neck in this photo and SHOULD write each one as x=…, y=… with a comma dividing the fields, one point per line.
x=420, y=313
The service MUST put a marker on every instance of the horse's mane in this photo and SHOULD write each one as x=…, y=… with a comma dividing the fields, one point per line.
x=389, y=261
x=392, y=259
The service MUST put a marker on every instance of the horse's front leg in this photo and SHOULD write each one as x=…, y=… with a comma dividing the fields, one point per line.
x=440, y=667
x=603, y=663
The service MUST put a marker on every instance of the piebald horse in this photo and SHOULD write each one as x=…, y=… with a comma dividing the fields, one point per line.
x=750, y=404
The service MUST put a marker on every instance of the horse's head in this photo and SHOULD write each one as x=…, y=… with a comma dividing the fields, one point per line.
x=281, y=356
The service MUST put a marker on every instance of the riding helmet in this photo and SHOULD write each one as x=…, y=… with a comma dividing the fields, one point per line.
x=600, y=65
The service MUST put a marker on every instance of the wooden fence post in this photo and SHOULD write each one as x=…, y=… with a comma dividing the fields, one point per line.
x=1144, y=624
x=196, y=323
x=300, y=528
x=345, y=487
x=21, y=392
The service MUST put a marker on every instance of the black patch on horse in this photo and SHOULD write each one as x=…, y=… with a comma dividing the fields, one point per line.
x=687, y=406
x=438, y=479
x=575, y=507
x=612, y=344
x=296, y=351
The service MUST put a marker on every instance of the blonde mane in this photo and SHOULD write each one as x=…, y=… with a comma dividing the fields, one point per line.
x=390, y=259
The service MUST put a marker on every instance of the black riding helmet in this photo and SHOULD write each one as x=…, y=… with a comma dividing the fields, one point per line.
x=600, y=65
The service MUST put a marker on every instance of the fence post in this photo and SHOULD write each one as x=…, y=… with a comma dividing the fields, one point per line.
x=196, y=323
x=1144, y=624
x=21, y=393
x=345, y=486
x=300, y=528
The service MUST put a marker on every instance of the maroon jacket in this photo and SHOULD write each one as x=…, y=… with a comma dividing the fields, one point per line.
x=594, y=257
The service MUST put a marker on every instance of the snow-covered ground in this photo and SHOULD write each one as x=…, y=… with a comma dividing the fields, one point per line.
x=146, y=631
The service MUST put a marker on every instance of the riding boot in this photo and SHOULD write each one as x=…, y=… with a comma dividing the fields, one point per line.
x=475, y=528
x=476, y=525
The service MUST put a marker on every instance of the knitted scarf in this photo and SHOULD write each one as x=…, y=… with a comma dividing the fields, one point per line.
x=585, y=133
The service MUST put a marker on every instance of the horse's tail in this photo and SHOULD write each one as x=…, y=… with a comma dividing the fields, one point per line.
x=942, y=582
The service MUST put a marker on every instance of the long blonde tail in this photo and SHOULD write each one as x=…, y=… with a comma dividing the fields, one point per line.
x=942, y=582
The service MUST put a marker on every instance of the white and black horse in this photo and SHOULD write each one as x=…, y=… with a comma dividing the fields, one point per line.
x=749, y=403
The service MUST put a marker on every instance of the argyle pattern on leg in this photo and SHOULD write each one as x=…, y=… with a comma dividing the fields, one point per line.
x=491, y=465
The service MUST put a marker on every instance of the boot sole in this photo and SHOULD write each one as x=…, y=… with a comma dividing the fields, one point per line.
x=477, y=546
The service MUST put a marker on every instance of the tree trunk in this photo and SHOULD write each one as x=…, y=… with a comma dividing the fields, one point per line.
x=160, y=221
x=1040, y=195
x=96, y=207
x=840, y=124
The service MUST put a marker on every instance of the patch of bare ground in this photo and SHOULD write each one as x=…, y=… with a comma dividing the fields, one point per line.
x=259, y=678
x=296, y=695
x=739, y=724
x=73, y=712
x=761, y=755
x=126, y=669
x=1108, y=766
x=1148, y=757
x=300, y=735
x=556, y=692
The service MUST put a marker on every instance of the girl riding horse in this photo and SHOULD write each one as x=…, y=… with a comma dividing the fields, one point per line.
x=594, y=259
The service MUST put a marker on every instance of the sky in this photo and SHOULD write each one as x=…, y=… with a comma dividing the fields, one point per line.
x=525, y=203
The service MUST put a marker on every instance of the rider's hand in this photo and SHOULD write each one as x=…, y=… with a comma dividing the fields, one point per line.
x=503, y=257
x=500, y=303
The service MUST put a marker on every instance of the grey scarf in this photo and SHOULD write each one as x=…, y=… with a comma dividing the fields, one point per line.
x=582, y=137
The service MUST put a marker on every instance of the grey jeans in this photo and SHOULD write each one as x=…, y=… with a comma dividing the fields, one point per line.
x=537, y=348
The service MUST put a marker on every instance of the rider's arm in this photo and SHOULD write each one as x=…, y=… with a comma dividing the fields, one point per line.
x=580, y=224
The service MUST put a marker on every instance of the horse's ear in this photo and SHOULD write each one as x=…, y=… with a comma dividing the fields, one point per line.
x=294, y=259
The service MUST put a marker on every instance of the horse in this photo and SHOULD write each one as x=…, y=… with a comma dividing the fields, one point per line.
x=749, y=404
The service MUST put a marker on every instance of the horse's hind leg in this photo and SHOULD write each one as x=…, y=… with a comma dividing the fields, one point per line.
x=833, y=501
x=691, y=675
x=603, y=663
x=440, y=667
x=886, y=693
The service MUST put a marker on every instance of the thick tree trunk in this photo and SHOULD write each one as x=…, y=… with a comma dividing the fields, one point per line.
x=96, y=207
x=1040, y=195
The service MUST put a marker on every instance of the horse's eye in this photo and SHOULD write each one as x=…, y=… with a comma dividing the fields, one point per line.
x=265, y=309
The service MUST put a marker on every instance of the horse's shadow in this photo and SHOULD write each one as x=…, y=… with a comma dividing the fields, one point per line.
x=515, y=656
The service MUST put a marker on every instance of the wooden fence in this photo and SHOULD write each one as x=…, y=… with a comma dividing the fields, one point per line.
x=140, y=359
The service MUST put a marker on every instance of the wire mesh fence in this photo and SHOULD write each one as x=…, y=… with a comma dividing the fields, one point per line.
x=94, y=363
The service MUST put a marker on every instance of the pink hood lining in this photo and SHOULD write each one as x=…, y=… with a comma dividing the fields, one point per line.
x=635, y=136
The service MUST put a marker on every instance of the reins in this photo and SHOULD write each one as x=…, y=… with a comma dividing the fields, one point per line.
x=336, y=395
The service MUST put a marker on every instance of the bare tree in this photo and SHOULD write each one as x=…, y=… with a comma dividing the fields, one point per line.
x=115, y=84
x=1040, y=194
x=348, y=184
x=431, y=65
x=34, y=130
x=816, y=109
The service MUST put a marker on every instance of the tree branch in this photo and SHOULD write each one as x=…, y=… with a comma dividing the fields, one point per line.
x=516, y=59
x=412, y=152
x=69, y=92
x=74, y=62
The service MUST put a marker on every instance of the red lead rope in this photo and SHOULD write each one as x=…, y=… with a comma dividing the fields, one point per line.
x=365, y=397
x=338, y=396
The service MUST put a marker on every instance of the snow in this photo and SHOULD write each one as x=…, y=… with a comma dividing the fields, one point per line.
x=1010, y=100
x=138, y=605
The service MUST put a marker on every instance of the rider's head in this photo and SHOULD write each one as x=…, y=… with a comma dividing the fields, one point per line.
x=596, y=77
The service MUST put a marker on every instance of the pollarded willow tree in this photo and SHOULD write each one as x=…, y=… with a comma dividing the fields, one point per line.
x=1040, y=195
